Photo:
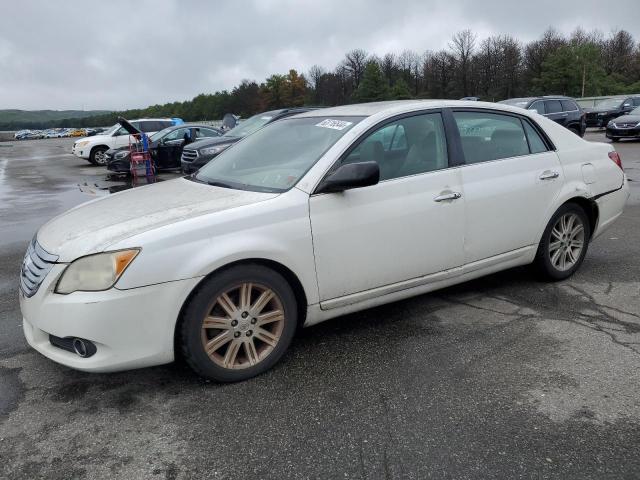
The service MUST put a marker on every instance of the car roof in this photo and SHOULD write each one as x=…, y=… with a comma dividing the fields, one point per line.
x=399, y=106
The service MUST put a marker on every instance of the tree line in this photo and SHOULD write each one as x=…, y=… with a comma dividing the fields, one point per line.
x=494, y=68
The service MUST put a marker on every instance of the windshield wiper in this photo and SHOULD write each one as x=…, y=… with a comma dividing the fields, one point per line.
x=218, y=183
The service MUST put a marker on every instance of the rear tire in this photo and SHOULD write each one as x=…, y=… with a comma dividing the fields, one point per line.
x=238, y=324
x=97, y=156
x=564, y=243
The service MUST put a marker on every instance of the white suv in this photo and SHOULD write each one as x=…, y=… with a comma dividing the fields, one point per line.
x=93, y=148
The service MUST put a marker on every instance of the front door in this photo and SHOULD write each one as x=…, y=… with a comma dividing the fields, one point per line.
x=409, y=225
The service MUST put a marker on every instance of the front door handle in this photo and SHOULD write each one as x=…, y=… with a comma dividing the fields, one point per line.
x=549, y=175
x=447, y=196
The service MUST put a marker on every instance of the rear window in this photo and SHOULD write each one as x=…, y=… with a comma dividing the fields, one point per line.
x=553, y=106
x=490, y=136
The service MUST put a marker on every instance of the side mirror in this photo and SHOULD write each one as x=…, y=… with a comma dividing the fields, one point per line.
x=351, y=175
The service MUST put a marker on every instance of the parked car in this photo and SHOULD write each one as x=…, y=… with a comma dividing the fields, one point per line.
x=560, y=109
x=325, y=213
x=610, y=108
x=625, y=126
x=165, y=147
x=93, y=148
x=200, y=153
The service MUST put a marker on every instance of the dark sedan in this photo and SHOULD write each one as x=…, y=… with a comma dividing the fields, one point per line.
x=165, y=147
x=201, y=152
x=626, y=126
x=610, y=108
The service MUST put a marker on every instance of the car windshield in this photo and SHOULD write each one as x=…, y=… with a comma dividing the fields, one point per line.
x=610, y=103
x=635, y=111
x=111, y=130
x=160, y=134
x=516, y=102
x=274, y=158
x=250, y=125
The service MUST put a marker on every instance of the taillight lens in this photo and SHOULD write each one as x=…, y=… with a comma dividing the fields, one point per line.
x=615, y=157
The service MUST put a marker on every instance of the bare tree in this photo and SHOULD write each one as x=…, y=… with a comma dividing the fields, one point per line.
x=354, y=63
x=462, y=45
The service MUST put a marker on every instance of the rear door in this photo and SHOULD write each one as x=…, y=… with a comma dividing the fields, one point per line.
x=555, y=112
x=510, y=177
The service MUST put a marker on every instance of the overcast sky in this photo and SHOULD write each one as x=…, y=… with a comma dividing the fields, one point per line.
x=112, y=55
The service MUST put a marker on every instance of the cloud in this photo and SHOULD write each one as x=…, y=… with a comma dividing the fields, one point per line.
x=120, y=54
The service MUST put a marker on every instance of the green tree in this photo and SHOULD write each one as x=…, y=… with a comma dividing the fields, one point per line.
x=573, y=70
x=400, y=90
x=294, y=90
x=373, y=87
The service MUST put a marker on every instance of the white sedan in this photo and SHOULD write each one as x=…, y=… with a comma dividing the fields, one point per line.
x=312, y=217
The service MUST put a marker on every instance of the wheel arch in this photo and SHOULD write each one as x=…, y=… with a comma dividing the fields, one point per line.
x=590, y=207
x=291, y=278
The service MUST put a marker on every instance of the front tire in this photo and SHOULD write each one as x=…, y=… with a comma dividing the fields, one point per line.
x=238, y=324
x=98, y=156
x=564, y=243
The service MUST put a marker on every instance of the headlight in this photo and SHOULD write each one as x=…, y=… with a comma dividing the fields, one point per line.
x=120, y=155
x=95, y=272
x=611, y=124
x=213, y=150
x=81, y=144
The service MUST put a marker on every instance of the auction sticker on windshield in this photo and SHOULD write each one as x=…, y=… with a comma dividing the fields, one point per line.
x=334, y=124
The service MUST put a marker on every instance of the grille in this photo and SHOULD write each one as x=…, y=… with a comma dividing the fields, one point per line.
x=626, y=125
x=189, y=155
x=36, y=265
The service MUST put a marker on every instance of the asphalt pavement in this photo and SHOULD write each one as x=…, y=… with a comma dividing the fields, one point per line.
x=502, y=377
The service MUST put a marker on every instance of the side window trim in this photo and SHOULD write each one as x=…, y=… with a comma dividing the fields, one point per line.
x=453, y=126
x=364, y=135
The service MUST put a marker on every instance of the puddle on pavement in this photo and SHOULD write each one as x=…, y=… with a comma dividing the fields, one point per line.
x=114, y=183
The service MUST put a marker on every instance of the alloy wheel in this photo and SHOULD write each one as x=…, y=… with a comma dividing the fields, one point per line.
x=243, y=326
x=566, y=242
x=100, y=157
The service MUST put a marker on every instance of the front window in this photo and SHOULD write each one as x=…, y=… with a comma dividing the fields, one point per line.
x=250, y=125
x=274, y=158
x=160, y=134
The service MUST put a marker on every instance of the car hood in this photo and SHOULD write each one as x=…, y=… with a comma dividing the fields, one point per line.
x=627, y=119
x=211, y=142
x=95, y=138
x=93, y=226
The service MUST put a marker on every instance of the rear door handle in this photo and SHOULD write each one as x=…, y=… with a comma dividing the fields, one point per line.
x=447, y=196
x=548, y=175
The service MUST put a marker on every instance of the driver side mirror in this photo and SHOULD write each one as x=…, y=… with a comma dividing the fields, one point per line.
x=351, y=175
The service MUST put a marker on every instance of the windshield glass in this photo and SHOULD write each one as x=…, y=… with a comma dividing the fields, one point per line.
x=160, y=134
x=250, y=125
x=635, y=111
x=609, y=103
x=110, y=130
x=276, y=157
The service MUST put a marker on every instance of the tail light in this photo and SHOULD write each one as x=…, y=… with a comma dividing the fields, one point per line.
x=615, y=157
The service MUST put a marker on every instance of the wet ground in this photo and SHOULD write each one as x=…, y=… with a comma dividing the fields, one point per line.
x=503, y=377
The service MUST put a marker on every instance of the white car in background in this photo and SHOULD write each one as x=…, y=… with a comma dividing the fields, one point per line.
x=314, y=216
x=93, y=148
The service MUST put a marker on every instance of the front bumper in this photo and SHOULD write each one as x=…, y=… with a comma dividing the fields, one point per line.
x=197, y=164
x=121, y=165
x=131, y=328
x=623, y=132
x=81, y=152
